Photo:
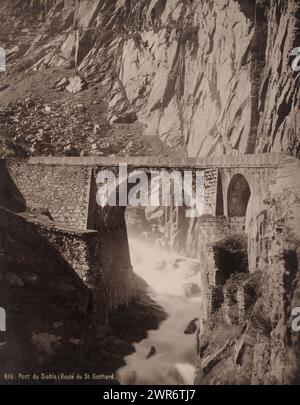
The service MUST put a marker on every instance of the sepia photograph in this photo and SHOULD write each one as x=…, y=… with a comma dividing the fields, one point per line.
x=150, y=195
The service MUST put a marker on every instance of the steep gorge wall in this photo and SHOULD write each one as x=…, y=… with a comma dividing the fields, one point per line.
x=215, y=76
x=247, y=337
x=274, y=242
x=278, y=126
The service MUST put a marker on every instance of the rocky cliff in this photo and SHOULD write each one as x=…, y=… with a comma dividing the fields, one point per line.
x=213, y=76
x=248, y=336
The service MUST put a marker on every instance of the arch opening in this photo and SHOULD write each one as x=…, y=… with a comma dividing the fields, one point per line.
x=238, y=196
x=231, y=257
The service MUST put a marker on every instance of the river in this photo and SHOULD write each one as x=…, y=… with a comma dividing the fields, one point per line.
x=173, y=352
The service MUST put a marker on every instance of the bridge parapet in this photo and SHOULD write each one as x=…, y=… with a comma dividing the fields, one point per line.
x=254, y=160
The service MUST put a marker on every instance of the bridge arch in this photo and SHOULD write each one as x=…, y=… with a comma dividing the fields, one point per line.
x=180, y=196
x=238, y=196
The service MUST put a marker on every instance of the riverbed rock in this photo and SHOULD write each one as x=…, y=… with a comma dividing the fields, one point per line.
x=161, y=265
x=192, y=327
x=193, y=269
x=191, y=289
x=152, y=352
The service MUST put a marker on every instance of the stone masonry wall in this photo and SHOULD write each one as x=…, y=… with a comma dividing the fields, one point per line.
x=64, y=190
x=212, y=230
x=210, y=193
x=209, y=231
x=69, y=192
x=82, y=250
x=258, y=180
x=89, y=253
x=118, y=271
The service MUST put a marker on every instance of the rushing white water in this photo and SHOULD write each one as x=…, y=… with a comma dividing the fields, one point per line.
x=174, y=361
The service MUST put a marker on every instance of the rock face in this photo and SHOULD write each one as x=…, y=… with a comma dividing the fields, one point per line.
x=278, y=127
x=214, y=76
x=253, y=311
x=10, y=196
x=275, y=252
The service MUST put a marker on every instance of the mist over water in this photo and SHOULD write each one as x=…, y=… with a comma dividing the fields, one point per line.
x=175, y=358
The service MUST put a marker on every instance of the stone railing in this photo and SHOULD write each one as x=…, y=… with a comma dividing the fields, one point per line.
x=254, y=160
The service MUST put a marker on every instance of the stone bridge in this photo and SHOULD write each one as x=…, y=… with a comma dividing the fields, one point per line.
x=66, y=185
x=87, y=236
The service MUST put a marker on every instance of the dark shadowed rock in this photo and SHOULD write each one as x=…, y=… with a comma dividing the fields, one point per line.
x=192, y=327
x=61, y=83
x=126, y=118
x=151, y=353
x=10, y=197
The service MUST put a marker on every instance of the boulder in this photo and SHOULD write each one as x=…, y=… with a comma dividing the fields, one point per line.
x=76, y=84
x=4, y=87
x=61, y=83
x=193, y=269
x=192, y=327
x=152, y=352
x=191, y=289
x=129, y=117
x=43, y=212
x=160, y=266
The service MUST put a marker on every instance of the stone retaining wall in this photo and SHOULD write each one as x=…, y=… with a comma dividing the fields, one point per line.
x=64, y=190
